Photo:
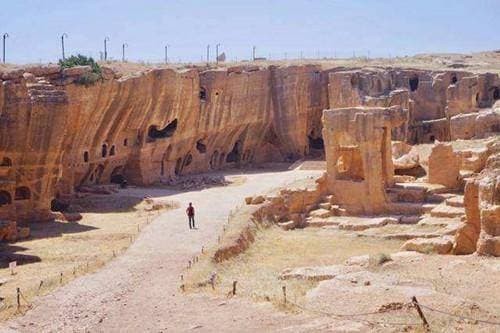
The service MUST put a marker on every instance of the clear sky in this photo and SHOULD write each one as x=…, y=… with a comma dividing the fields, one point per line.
x=276, y=27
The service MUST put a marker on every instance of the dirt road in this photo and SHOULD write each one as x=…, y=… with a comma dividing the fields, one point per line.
x=139, y=291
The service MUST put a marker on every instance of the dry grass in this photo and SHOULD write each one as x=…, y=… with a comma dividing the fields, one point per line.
x=72, y=248
x=258, y=269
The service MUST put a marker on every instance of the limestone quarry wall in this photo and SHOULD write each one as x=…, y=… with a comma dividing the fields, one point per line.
x=56, y=134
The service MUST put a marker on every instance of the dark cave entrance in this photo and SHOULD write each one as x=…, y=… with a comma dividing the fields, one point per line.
x=56, y=205
x=203, y=94
x=315, y=143
x=5, y=198
x=117, y=176
x=201, y=147
x=166, y=132
x=234, y=155
x=496, y=94
x=413, y=83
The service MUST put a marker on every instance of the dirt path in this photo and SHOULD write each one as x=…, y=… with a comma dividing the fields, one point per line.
x=139, y=291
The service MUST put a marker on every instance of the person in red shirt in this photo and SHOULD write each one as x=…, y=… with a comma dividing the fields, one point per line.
x=190, y=214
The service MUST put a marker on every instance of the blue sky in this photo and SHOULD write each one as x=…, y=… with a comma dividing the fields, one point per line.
x=327, y=27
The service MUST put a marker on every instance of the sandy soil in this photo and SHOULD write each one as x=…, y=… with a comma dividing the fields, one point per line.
x=109, y=224
x=139, y=290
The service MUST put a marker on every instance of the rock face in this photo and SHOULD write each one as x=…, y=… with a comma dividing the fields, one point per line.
x=56, y=135
x=358, y=155
x=444, y=166
x=481, y=232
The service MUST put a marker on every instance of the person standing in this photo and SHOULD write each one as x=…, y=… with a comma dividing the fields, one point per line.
x=190, y=214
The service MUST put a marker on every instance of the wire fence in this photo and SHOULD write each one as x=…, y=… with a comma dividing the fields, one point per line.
x=20, y=301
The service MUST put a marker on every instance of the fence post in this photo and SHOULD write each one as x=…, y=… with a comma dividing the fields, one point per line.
x=39, y=287
x=421, y=314
x=18, y=296
x=234, y=287
x=284, y=294
x=61, y=278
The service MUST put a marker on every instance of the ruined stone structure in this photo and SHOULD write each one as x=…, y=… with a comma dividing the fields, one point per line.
x=56, y=134
x=359, y=155
x=481, y=231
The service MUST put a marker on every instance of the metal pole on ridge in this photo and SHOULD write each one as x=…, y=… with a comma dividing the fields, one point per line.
x=106, y=39
x=5, y=35
x=62, y=44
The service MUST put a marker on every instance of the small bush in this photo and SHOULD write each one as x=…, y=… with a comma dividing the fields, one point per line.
x=88, y=79
x=81, y=60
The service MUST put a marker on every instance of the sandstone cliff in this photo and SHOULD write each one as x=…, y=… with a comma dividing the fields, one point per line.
x=56, y=134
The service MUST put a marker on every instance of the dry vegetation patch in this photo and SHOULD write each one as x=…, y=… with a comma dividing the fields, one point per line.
x=258, y=269
x=57, y=252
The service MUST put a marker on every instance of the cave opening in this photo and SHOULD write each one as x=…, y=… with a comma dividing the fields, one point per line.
x=432, y=138
x=413, y=83
x=6, y=162
x=104, y=150
x=454, y=79
x=85, y=156
x=203, y=94
x=234, y=155
x=112, y=151
x=496, y=94
x=166, y=132
x=125, y=142
x=57, y=205
x=201, y=147
x=5, y=198
x=117, y=176
x=22, y=193
x=315, y=143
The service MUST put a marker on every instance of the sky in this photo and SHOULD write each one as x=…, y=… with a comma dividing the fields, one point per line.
x=277, y=28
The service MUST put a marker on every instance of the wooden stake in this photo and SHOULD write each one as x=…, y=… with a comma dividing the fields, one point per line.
x=421, y=314
x=61, y=278
x=284, y=294
x=234, y=287
x=18, y=290
x=39, y=287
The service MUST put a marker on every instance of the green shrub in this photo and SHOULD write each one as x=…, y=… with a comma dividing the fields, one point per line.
x=81, y=60
x=88, y=78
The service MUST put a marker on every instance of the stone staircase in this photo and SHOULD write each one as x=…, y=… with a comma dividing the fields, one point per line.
x=43, y=91
x=425, y=215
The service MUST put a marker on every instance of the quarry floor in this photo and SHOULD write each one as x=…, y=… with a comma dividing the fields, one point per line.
x=139, y=290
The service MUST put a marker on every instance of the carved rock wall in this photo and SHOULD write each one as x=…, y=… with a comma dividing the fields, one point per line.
x=56, y=135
